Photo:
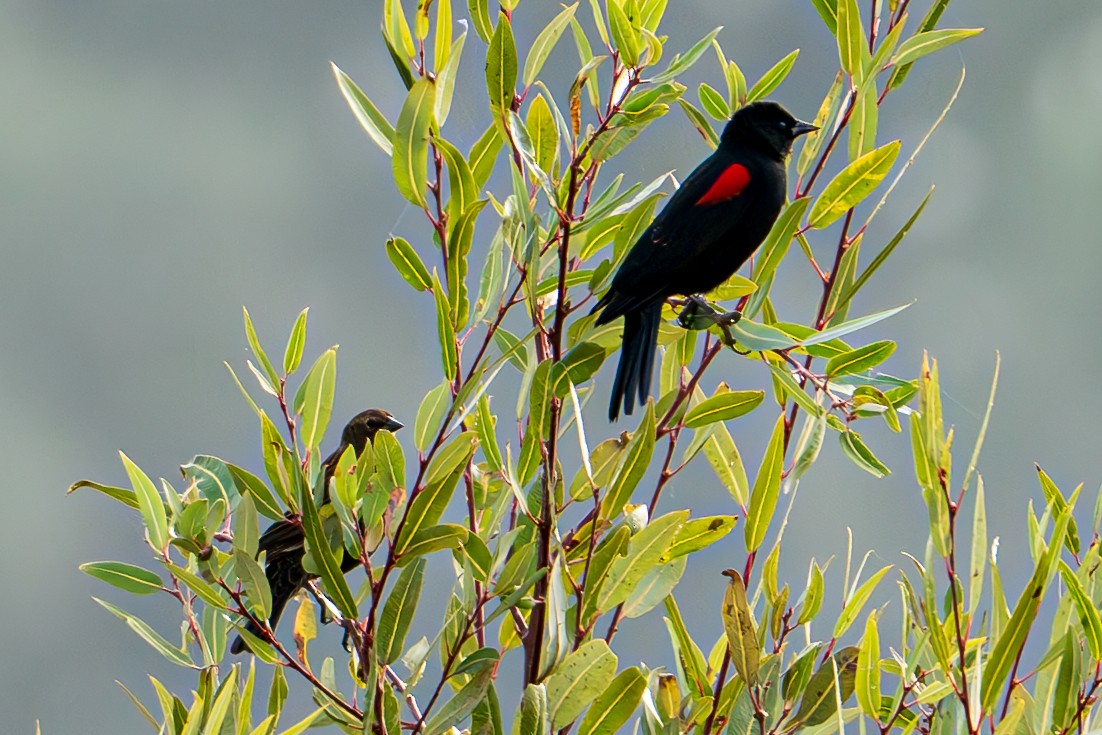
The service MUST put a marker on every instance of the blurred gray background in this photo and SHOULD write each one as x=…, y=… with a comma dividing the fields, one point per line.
x=163, y=163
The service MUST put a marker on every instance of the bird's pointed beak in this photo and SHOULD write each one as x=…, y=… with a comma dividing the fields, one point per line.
x=803, y=128
x=392, y=424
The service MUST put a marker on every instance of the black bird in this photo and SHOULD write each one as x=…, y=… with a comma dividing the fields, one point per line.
x=710, y=226
x=285, y=540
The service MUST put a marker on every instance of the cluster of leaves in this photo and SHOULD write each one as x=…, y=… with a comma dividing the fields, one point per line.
x=541, y=556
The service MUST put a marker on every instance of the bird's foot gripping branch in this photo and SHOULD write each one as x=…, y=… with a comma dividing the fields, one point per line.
x=555, y=528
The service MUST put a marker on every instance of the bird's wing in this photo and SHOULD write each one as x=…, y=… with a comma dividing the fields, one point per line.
x=707, y=204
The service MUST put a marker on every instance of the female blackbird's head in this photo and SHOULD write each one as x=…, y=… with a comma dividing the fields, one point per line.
x=363, y=427
x=766, y=126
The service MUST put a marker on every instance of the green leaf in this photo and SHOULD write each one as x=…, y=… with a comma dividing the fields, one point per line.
x=723, y=455
x=852, y=325
x=249, y=484
x=860, y=360
x=1009, y=643
x=211, y=478
x=578, y=680
x=1088, y=613
x=772, y=78
x=462, y=189
x=713, y=102
x=480, y=16
x=979, y=555
x=724, y=405
x=408, y=263
x=124, y=496
x=644, y=552
x=398, y=612
x=833, y=682
x=813, y=141
x=292, y=356
x=867, y=681
x=625, y=35
x=921, y=44
x=443, y=41
x=501, y=68
x=682, y=62
x=856, y=449
x=545, y=42
x=813, y=598
x=411, y=142
x=431, y=413
x=257, y=591
x=434, y=538
x=322, y=553
x=445, y=329
x=174, y=655
x=697, y=534
x=700, y=123
x=763, y=498
x=828, y=11
x=150, y=504
x=742, y=635
x=314, y=398
x=636, y=460
x=445, y=80
x=852, y=46
x=441, y=477
x=776, y=245
x=456, y=709
x=615, y=705
x=125, y=576
x=855, y=182
x=863, y=121
x=202, y=589
x=543, y=133
x=368, y=115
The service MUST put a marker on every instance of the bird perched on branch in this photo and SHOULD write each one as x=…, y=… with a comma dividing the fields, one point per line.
x=710, y=226
x=284, y=541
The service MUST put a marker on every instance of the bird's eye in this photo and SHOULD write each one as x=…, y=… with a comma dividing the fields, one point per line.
x=783, y=124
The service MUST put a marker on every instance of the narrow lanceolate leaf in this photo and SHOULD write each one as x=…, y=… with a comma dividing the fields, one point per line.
x=742, y=635
x=850, y=326
x=501, y=68
x=431, y=413
x=150, y=636
x=775, y=247
x=851, y=37
x=314, y=398
x=578, y=680
x=859, y=452
x=462, y=189
x=461, y=705
x=251, y=576
x=1012, y=638
x=543, y=133
x=374, y=122
x=850, y=187
x=832, y=682
x=724, y=405
x=445, y=81
x=860, y=360
x=977, y=566
x=1088, y=613
x=411, y=142
x=398, y=612
x=292, y=356
x=697, y=534
x=125, y=576
x=615, y=704
x=545, y=42
x=121, y=494
x=723, y=455
x=857, y=601
x=318, y=546
x=772, y=78
x=644, y=552
x=149, y=503
x=636, y=460
x=480, y=16
x=763, y=498
x=445, y=329
x=921, y=44
x=408, y=263
x=868, y=670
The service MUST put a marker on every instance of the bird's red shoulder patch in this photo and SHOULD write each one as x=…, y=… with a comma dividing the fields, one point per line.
x=728, y=186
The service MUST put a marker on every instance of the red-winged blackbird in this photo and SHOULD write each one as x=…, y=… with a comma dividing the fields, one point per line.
x=709, y=227
x=285, y=541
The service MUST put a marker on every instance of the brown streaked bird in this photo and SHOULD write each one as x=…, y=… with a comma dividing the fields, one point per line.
x=285, y=542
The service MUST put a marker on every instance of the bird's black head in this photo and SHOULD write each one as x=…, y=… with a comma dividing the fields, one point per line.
x=766, y=126
x=363, y=427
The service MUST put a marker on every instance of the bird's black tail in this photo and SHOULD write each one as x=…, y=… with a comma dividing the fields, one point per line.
x=285, y=578
x=633, y=374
